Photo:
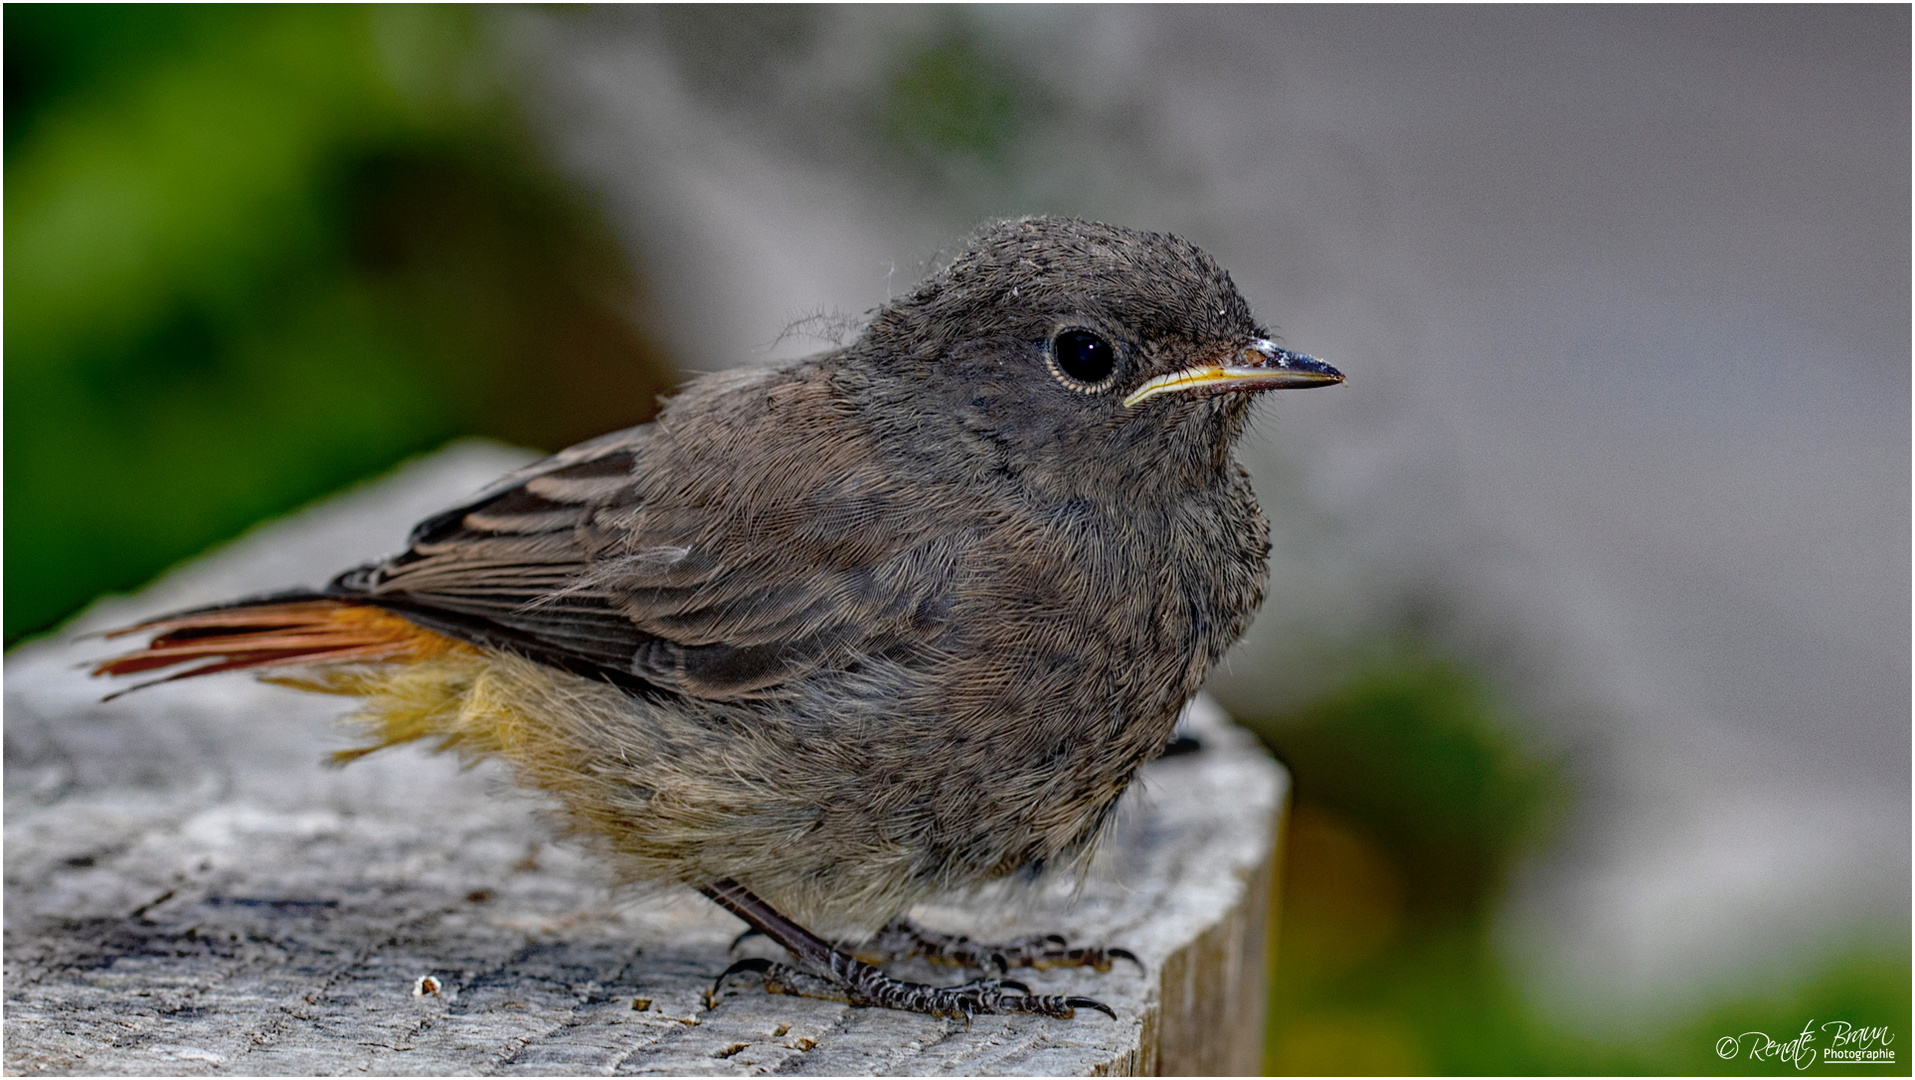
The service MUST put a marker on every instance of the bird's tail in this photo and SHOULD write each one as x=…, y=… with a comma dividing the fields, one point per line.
x=299, y=630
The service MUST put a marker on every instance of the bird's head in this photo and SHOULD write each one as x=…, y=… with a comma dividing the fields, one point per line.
x=1106, y=354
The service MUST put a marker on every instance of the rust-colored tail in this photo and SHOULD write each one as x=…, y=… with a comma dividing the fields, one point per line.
x=272, y=634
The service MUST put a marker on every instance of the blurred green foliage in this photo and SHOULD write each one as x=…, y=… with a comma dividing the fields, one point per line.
x=1416, y=797
x=1414, y=800
x=950, y=99
x=255, y=253
x=1414, y=753
x=1861, y=985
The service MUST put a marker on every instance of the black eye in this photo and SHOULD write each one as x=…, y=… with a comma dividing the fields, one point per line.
x=1083, y=356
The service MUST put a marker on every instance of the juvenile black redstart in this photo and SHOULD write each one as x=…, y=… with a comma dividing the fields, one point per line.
x=830, y=637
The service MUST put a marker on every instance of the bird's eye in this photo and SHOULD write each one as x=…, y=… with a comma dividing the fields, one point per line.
x=1083, y=357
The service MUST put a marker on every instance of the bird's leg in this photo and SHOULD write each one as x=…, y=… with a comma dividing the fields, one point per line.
x=822, y=971
x=901, y=938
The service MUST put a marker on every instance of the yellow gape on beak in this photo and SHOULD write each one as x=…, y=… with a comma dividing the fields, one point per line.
x=1260, y=365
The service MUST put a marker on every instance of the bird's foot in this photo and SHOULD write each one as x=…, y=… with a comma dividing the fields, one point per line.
x=902, y=938
x=824, y=971
x=857, y=983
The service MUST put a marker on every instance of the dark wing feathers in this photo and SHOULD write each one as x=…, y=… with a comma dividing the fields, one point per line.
x=589, y=561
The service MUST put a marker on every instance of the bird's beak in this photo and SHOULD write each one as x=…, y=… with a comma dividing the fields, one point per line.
x=1259, y=365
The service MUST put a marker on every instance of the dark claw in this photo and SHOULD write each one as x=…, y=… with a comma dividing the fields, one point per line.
x=1015, y=985
x=757, y=964
x=1057, y=939
x=1126, y=954
x=740, y=939
x=1090, y=1003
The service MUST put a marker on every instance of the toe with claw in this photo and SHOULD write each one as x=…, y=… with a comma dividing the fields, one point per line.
x=902, y=938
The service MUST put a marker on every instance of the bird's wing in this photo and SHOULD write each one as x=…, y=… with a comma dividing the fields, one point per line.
x=695, y=567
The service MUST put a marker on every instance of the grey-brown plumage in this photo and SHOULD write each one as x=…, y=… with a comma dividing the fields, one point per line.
x=848, y=632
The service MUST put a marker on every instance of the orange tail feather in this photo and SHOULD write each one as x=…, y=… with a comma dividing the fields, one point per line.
x=294, y=633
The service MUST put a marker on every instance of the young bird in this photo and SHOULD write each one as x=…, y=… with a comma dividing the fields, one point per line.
x=831, y=637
